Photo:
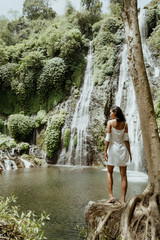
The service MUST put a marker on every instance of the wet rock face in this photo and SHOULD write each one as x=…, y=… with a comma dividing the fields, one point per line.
x=19, y=163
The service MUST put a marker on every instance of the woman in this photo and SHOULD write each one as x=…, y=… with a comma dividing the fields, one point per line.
x=117, y=150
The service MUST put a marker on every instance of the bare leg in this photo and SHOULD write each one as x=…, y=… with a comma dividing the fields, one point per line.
x=110, y=182
x=124, y=184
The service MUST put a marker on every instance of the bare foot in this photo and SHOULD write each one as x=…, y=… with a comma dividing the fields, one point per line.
x=121, y=201
x=111, y=200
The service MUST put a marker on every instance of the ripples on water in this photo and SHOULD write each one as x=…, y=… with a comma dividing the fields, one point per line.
x=63, y=192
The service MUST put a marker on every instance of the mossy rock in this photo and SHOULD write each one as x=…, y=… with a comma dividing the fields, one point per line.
x=53, y=133
x=75, y=141
x=66, y=137
x=41, y=140
x=23, y=147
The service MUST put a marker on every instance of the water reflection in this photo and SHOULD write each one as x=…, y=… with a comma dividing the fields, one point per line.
x=63, y=193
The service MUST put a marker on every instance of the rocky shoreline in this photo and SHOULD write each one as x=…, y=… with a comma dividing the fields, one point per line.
x=26, y=158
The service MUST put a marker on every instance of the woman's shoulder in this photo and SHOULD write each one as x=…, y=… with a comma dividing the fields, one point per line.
x=109, y=126
x=110, y=122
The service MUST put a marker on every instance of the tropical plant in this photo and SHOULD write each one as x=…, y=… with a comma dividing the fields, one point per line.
x=94, y=7
x=23, y=146
x=8, y=73
x=105, y=43
x=6, y=142
x=20, y=126
x=15, y=225
x=33, y=9
x=53, y=76
x=53, y=133
x=41, y=118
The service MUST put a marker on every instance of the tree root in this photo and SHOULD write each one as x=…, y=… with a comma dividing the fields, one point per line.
x=101, y=225
x=138, y=219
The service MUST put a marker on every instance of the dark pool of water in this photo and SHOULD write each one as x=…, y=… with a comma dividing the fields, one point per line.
x=63, y=192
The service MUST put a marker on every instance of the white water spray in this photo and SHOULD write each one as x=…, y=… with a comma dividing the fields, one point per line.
x=9, y=164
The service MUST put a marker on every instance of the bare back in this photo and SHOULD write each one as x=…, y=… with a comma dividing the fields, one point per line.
x=116, y=125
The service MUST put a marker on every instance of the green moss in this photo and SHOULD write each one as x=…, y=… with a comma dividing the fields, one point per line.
x=20, y=126
x=34, y=160
x=76, y=93
x=10, y=104
x=77, y=75
x=52, y=77
x=41, y=139
x=75, y=141
x=41, y=118
x=7, y=73
x=54, y=98
x=104, y=64
x=66, y=137
x=33, y=105
x=105, y=43
x=53, y=133
x=101, y=145
x=32, y=60
x=23, y=146
x=99, y=136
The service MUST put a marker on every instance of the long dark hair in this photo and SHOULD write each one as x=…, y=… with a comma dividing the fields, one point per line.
x=119, y=114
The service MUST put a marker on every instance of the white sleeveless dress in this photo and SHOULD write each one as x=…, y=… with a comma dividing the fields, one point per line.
x=118, y=154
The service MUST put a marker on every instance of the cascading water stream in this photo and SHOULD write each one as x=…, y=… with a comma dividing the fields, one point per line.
x=125, y=97
x=77, y=155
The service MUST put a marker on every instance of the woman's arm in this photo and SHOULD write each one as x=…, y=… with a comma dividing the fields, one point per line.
x=127, y=142
x=107, y=142
x=106, y=147
x=129, y=150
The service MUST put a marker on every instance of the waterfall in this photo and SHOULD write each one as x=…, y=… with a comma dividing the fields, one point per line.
x=26, y=163
x=123, y=75
x=125, y=97
x=77, y=155
x=10, y=164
